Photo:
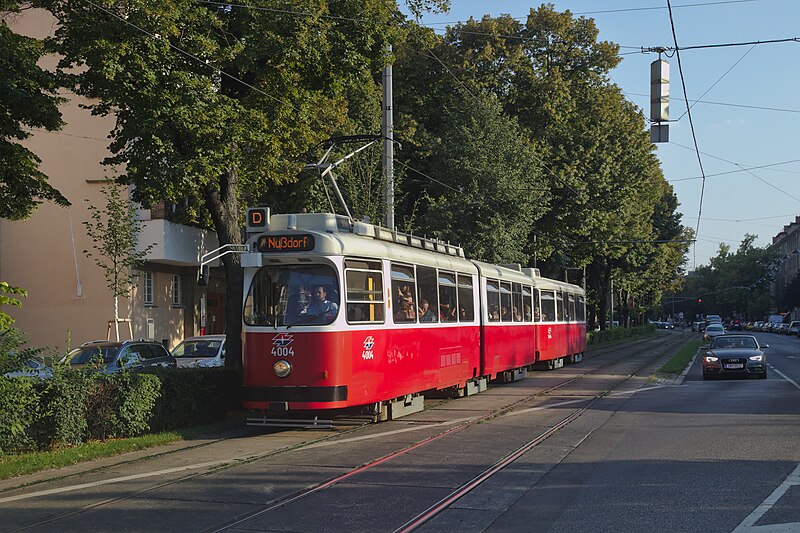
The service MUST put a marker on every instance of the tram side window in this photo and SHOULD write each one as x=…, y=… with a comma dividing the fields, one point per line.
x=560, y=306
x=571, y=307
x=428, y=295
x=505, y=301
x=404, y=289
x=581, y=309
x=448, y=303
x=527, y=304
x=548, y=306
x=364, y=283
x=466, y=305
x=493, y=300
x=537, y=306
x=516, y=302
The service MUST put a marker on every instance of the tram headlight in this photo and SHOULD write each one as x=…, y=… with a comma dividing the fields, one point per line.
x=282, y=368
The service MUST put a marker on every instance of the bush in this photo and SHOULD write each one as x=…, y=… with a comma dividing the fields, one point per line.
x=121, y=405
x=194, y=396
x=18, y=402
x=61, y=417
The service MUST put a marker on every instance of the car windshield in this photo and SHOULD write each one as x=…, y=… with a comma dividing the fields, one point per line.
x=88, y=354
x=735, y=342
x=714, y=327
x=199, y=348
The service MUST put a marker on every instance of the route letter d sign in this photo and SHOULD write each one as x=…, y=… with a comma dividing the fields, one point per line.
x=257, y=219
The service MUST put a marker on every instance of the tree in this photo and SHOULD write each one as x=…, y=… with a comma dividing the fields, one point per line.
x=215, y=103
x=27, y=100
x=114, y=232
x=6, y=321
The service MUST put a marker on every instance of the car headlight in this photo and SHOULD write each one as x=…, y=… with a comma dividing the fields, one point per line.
x=711, y=358
x=756, y=357
x=282, y=368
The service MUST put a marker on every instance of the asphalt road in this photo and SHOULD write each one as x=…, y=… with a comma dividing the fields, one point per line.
x=601, y=447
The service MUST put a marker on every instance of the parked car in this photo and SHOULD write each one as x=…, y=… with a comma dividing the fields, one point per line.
x=203, y=352
x=112, y=356
x=35, y=367
x=782, y=328
x=714, y=329
x=735, y=355
x=794, y=327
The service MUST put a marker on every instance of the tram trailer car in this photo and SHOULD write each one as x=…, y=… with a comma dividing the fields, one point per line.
x=340, y=315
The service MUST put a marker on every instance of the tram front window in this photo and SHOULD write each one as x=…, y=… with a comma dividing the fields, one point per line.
x=292, y=295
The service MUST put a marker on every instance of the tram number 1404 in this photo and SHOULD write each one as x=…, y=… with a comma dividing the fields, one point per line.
x=282, y=351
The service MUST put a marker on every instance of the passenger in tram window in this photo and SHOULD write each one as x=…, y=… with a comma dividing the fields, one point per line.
x=462, y=313
x=446, y=312
x=426, y=314
x=494, y=314
x=528, y=314
x=505, y=315
x=321, y=306
x=405, y=312
x=355, y=313
x=515, y=314
x=404, y=296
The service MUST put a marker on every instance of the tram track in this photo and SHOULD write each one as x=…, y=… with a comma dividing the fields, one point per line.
x=331, y=439
x=464, y=489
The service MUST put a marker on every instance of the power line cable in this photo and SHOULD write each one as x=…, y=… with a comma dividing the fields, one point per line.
x=745, y=106
x=691, y=122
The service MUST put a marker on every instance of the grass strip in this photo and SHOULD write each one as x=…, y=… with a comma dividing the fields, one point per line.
x=678, y=362
x=28, y=463
x=12, y=465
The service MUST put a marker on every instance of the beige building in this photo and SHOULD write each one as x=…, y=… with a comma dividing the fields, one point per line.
x=68, y=301
x=787, y=245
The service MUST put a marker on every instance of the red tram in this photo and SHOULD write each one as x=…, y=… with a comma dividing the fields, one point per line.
x=341, y=315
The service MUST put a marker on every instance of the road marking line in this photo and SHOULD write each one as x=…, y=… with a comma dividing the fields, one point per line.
x=747, y=524
x=114, y=480
x=784, y=376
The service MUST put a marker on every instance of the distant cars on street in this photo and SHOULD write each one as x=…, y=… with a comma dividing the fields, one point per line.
x=712, y=330
x=735, y=355
x=203, y=352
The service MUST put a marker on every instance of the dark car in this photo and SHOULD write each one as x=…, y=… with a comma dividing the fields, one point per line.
x=112, y=356
x=735, y=355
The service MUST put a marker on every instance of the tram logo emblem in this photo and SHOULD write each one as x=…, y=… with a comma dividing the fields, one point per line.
x=369, y=343
x=282, y=339
x=549, y=333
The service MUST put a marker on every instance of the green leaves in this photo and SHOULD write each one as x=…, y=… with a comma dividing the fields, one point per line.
x=27, y=101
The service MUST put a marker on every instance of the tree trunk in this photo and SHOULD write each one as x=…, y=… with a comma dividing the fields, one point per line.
x=223, y=205
x=116, y=315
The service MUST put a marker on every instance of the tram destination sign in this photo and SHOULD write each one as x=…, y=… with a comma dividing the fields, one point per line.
x=285, y=243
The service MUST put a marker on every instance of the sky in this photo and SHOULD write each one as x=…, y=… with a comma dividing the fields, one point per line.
x=743, y=103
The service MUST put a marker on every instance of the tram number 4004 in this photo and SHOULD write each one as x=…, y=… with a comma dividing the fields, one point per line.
x=282, y=351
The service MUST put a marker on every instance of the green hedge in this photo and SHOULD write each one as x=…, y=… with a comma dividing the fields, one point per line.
x=72, y=407
x=619, y=334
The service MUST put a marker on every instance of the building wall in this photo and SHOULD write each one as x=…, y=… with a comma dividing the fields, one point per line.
x=68, y=299
x=787, y=245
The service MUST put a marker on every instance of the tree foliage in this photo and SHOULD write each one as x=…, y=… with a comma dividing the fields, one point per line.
x=27, y=100
x=215, y=103
x=734, y=283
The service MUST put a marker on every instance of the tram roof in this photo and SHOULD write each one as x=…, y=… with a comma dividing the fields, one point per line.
x=335, y=235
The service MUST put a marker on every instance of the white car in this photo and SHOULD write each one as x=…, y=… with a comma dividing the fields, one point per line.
x=200, y=352
x=715, y=329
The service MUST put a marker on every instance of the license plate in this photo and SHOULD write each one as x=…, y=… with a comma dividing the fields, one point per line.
x=737, y=365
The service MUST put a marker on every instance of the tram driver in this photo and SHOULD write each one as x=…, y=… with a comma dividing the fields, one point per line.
x=320, y=305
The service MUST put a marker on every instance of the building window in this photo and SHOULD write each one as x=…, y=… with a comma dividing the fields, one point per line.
x=177, y=297
x=148, y=288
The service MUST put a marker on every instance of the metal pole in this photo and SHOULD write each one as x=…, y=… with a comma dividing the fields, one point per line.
x=611, y=322
x=388, y=144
